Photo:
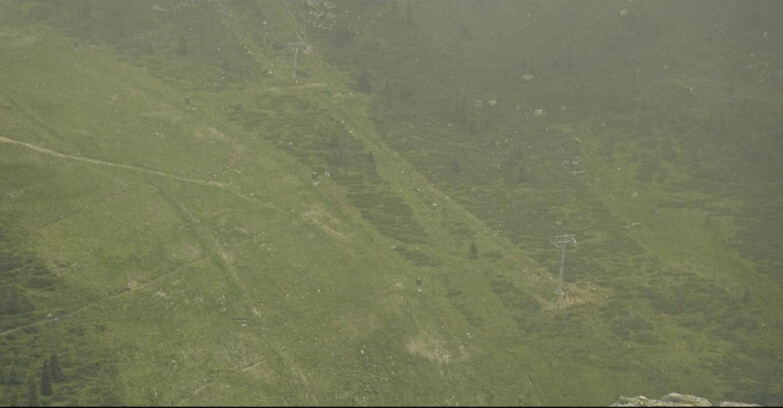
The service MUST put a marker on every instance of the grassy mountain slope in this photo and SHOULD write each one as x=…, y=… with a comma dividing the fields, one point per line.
x=655, y=142
x=162, y=230
x=189, y=251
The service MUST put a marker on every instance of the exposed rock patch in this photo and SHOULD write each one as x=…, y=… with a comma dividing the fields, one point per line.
x=676, y=400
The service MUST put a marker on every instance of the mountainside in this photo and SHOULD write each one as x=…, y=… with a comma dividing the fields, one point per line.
x=183, y=222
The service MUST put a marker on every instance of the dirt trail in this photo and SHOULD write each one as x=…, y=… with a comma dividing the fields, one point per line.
x=224, y=186
x=206, y=237
x=104, y=299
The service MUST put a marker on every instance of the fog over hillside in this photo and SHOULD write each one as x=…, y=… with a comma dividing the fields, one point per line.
x=399, y=202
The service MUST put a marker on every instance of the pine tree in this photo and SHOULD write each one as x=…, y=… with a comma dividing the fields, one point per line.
x=388, y=91
x=472, y=125
x=13, y=401
x=55, y=367
x=473, y=251
x=364, y=83
x=46, y=379
x=454, y=165
x=457, y=110
x=32, y=394
x=182, y=46
x=12, y=376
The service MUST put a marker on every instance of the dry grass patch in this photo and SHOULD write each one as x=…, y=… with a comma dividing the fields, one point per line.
x=576, y=296
x=260, y=370
x=211, y=133
x=433, y=348
x=318, y=215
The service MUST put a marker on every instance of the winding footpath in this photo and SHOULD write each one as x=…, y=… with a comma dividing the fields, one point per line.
x=224, y=186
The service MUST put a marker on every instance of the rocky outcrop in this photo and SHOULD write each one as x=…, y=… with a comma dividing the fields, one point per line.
x=676, y=400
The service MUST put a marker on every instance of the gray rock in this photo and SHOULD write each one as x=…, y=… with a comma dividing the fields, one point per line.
x=642, y=401
x=687, y=400
x=675, y=400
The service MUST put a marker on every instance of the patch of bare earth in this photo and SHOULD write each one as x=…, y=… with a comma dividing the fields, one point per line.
x=576, y=296
x=259, y=370
x=21, y=38
x=318, y=215
x=211, y=133
x=433, y=348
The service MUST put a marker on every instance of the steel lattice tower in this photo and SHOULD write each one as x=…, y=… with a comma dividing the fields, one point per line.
x=562, y=241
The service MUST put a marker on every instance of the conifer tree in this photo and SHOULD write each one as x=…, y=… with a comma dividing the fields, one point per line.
x=472, y=125
x=46, y=379
x=32, y=394
x=182, y=46
x=13, y=401
x=12, y=376
x=55, y=367
x=364, y=82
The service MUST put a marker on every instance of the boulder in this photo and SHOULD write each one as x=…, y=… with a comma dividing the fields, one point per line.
x=686, y=400
x=676, y=400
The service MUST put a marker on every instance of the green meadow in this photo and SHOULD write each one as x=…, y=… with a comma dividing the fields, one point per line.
x=183, y=223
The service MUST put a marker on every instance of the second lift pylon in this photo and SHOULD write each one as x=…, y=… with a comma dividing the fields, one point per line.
x=562, y=241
